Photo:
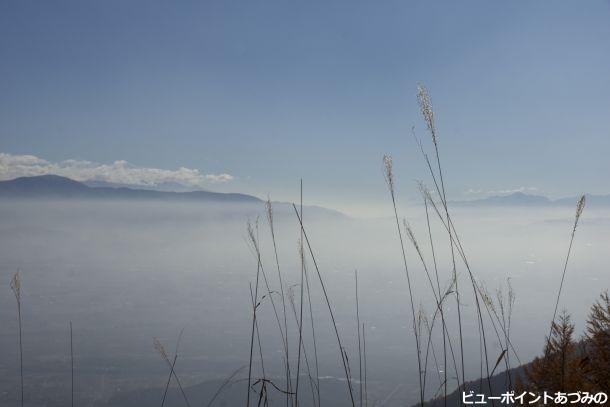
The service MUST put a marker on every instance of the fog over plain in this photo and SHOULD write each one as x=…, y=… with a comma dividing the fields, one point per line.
x=127, y=271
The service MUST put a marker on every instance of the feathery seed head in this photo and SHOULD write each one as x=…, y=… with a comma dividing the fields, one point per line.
x=425, y=105
x=500, y=299
x=252, y=234
x=424, y=191
x=487, y=300
x=427, y=195
x=161, y=349
x=411, y=235
x=421, y=314
x=485, y=296
x=511, y=292
x=388, y=171
x=16, y=286
x=269, y=210
x=579, y=208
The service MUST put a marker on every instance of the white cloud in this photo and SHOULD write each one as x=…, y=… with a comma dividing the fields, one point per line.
x=513, y=190
x=215, y=178
x=506, y=191
x=119, y=172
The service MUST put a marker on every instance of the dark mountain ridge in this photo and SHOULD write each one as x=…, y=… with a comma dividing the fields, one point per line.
x=58, y=187
x=54, y=186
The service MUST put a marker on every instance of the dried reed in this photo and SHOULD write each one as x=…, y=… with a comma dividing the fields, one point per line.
x=269, y=212
x=171, y=364
x=16, y=287
x=389, y=176
x=580, y=206
x=328, y=304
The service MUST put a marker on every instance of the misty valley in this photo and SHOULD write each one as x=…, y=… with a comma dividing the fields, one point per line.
x=125, y=271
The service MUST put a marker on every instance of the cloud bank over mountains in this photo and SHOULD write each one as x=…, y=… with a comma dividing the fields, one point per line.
x=118, y=172
x=505, y=191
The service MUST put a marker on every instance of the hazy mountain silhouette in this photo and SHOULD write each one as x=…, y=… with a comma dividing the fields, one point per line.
x=57, y=187
x=54, y=186
x=522, y=199
x=514, y=199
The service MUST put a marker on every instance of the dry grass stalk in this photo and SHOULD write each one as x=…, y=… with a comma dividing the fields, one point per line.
x=412, y=238
x=258, y=335
x=425, y=323
x=446, y=294
x=438, y=301
x=270, y=218
x=427, y=113
x=16, y=287
x=160, y=348
x=580, y=206
x=366, y=396
x=328, y=304
x=389, y=175
x=359, y=339
x=311, y=318
x=254, y=243
x=427, y=198
x=171, y=364
x=253, y=240
x=460, y=249
x=302, y=288
x=226, y=382
x=505, y=304
x=313, y=385
x=71, y=368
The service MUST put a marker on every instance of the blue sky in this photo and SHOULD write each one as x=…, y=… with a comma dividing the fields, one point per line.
x=272, y=91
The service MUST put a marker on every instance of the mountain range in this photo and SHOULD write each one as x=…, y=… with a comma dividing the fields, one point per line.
x=522, y=199
x=57, y=187
x=54, y=186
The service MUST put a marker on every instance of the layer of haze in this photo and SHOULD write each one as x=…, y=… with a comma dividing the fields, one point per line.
x=127, y=271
